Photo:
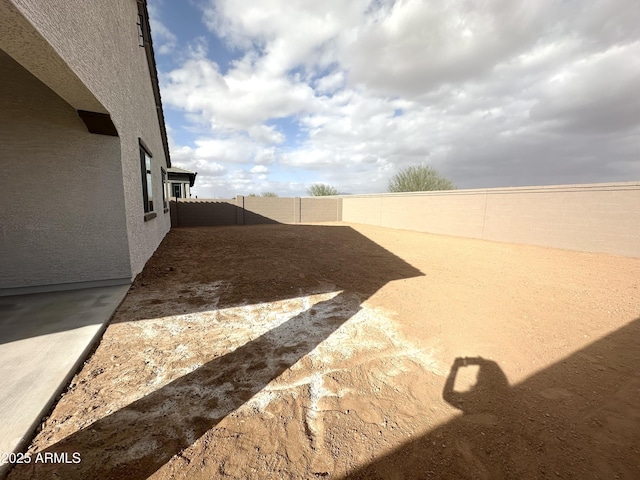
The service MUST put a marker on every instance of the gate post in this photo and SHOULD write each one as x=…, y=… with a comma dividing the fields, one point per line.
x=297, y=206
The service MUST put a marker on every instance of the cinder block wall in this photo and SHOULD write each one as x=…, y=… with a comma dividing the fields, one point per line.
x=254, y=210
x=595, y=217
x=314, y=210
x=203, y=212
x=268, y=210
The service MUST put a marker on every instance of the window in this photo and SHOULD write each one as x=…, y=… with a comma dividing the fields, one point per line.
x=176, y=190
x=140, y=25
x=147, y=182
x=143, y=25
x=164, y=189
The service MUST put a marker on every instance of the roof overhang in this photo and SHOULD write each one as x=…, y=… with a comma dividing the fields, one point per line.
x=153, y=71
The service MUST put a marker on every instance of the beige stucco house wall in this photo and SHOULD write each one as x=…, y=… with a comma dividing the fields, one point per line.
x=73, y=203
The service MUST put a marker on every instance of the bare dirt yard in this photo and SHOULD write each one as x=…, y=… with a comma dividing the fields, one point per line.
x=342, y=351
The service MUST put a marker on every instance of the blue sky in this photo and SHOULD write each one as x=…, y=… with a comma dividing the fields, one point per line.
x=276, y=95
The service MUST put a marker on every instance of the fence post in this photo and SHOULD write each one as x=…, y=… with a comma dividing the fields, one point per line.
x=296, y=210
x=173, y=213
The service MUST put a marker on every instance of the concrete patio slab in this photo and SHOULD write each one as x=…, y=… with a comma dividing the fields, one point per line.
x=43, y=339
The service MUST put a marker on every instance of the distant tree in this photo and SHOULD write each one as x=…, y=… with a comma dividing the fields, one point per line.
x=419, y=178
x=321, y=190
x=268, y=194
x=252, y=195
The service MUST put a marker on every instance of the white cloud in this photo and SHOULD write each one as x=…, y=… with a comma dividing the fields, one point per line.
x=259, y=169
x=491, y=93
x=239, y=100
x=186, y=157
x=594, y=94
x=289, y=33
x=330, y=83
x=266, y=134
x=421, y=45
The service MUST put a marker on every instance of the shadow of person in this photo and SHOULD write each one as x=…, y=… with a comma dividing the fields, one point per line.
x=469, y=446
x=490, y=393
x=575, y=418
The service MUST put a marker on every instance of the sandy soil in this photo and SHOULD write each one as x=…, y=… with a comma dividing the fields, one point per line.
x=337, y=351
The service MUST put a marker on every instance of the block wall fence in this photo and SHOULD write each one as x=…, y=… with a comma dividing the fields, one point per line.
x=592, y=218
x=254, y=210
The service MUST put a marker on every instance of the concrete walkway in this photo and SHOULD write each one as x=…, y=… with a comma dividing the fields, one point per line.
x=44, y=337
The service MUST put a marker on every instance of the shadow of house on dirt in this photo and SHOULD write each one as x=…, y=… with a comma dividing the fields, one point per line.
x=253, y=265
x=261, y=263
x=578, y=418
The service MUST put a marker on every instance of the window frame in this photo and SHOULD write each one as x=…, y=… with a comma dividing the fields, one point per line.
x=165, y=201
x=179, y=185
x=146, y=172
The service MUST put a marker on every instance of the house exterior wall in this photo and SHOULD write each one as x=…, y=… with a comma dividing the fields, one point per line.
x=597, y=217
x=99, y=43
x=27, y=46
x=63, y=216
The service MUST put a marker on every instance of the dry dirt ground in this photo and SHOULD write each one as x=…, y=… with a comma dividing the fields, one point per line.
x=338, y=351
